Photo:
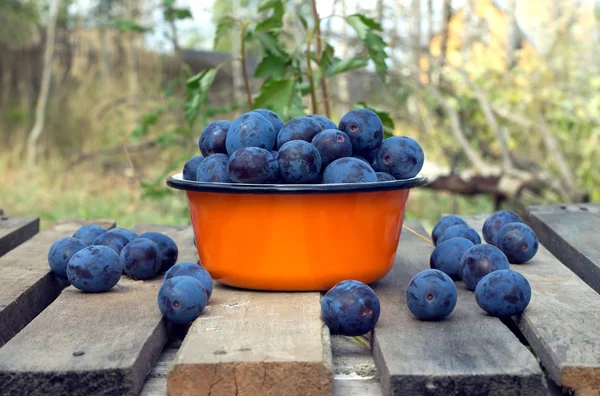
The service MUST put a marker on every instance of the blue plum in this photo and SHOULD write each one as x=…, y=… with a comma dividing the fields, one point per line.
x=332, y=144
x=364, y=128
x=141, y=258
x=443, y=224
x=496, y=221
x=299, y=162
x=360, y=157
x=94, y=269
x=214, y=168
x=299, y=128
x=167, y=247
x=114, y=240
x=182, y=299
x=401, y=157
x=190, y=169
x=195, y=270
x=349, y=170
x=431, y=295
x=370, y=157
x=88, y=233
x=129, y=234
x=350, y=308
x=478, y=261
x=503, y=293
x=61, y=252
x=212, y=138
x=518, y=242
x=324, y=122
x=462, y=231
x=253, y=165
x=273, y=117
x=250, y=130
x=446, y=256
x=382, y=176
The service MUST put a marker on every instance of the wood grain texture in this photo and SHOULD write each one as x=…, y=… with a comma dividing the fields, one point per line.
x=249, y=343
x=468, y=353
x=92, y=344
x=28, y=286
x=561, y=322
x=572, y=234
x=16, y=230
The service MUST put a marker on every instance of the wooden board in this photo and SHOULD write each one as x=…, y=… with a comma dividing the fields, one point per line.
x=16, y=230
x=250, y=343
x=561, y=323
x=572, y=234
x=469, y=353
x=92, y=344
x=28, y=286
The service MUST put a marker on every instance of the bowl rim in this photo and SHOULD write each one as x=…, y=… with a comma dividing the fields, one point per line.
x=177, y=181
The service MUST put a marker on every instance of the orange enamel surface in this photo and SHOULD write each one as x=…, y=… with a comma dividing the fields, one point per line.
x=297, y=242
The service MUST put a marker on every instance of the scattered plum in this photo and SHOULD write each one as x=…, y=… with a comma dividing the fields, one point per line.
x=94, y=269
x=182, y=299
x=480, y=260
x=141, y=258
x=518, y=242
x=61, y=252
x=496, y=221
x=503, y=293
x=462, y=231
x=431, y=295
x=114, y=240
x=350, y=308
x=446, y=256
x=443, y=224
x=88, y=233
x=195, y=270
x=167, y=247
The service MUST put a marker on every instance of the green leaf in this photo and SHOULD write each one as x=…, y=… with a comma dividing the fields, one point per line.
x=365, y=30
x=267, y=4
x=274, y=22
x=124, y=25
x=168, y=3
x=326, y=58
x=279, y=96
x=149, y=119
x=303, y=21
x=223, y=27
x=272, y=67
x=197, y=88
x=371, y=23
x=345, y=65
x=384, y=116
x=182, y=13
x=270, y=44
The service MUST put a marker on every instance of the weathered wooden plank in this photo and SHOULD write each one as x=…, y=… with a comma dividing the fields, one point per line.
x=16, y=230
x=469, y=353
x=572, y=234
x=91, y=344
x=561, y=322
x=28, y=286
x=255, y=343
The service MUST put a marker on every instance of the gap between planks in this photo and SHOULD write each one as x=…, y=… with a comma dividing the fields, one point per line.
x=16, y=230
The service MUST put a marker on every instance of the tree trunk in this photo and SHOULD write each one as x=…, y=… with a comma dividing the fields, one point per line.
x=437, y=75
x=415, y=32
x=175, y=39
x=344, y=82
x=236, y=67
x=512, y=33
x=40, y=110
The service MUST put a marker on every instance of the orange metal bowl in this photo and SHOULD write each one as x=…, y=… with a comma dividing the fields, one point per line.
x=296, y=237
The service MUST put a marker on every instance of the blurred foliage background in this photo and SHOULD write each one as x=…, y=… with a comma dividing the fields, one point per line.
x=100, y=100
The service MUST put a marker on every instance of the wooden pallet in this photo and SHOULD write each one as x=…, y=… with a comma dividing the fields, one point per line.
x=259, y=343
